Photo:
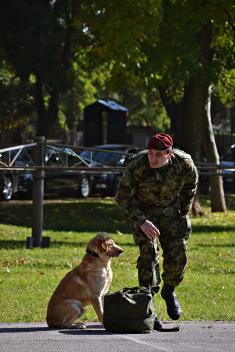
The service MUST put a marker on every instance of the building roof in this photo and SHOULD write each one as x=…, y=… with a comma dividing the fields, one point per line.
x=108, y=104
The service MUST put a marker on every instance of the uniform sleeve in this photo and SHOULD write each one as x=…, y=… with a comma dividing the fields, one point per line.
x=188, y=191
x=125, y=197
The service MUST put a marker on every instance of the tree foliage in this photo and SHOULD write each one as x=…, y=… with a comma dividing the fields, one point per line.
x=183, y=48
x=15, y=102
x=36, y=39
x=129, y=50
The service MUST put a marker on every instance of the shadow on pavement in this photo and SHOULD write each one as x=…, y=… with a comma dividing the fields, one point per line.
x=21, y=329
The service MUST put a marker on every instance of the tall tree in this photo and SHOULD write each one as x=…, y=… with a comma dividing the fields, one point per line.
x=180, y=46
x=36, y=37
x=15, y=107
x=201, y=57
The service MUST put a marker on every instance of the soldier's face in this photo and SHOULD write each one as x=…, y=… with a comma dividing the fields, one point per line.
x=158, y=158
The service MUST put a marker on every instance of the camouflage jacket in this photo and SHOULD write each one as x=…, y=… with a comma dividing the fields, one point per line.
x=168, y=189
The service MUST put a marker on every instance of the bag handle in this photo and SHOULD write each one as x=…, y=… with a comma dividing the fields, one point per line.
x=137, y=289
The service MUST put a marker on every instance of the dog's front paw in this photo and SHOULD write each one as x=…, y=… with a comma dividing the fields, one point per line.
x=75, y=326
x=81, y=326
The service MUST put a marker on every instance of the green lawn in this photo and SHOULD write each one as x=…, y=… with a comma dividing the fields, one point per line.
x=28, y=277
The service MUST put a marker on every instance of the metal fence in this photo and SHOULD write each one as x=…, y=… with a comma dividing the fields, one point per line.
x=11, y=158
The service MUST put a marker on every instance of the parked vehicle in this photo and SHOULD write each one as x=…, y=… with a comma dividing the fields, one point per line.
x=8, y=179
x=8, y=184
x=59, y=181
x=108, y=155
x=228, y=160
x=68, y=182
x=227, y=164
x=56, y=181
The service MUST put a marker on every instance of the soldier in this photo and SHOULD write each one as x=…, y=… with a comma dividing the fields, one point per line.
x=156, y=193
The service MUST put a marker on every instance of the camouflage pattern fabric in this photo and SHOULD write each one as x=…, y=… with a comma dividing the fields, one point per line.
x=163, y=196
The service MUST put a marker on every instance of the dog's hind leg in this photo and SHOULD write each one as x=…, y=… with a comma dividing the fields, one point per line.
x=75, y=312
x=64, y=315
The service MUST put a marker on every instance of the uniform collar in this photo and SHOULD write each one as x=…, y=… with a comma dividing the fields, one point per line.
x=159, y=173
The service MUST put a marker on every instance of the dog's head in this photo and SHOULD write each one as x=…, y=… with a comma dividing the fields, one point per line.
x=103, y=245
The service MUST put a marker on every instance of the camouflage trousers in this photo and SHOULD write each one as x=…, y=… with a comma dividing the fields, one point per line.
x=174, y=231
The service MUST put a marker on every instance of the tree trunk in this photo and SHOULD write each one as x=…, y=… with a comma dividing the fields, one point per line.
x=196, y=120
x=47, y=117
x=174, y=111
x=192, y=112
x=185, y=124
x=216, y=182
x=52, y=114
x=196, y=207
x=40, y=106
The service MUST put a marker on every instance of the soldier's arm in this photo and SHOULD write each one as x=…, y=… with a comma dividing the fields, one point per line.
x=189, y=189
x=125, y=197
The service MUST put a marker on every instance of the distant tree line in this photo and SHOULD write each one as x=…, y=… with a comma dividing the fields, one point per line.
x=163, y=59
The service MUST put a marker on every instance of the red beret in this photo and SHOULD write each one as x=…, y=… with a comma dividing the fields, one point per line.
x=160, y=141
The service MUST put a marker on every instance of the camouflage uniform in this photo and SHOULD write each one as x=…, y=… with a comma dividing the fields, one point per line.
x=164, y=197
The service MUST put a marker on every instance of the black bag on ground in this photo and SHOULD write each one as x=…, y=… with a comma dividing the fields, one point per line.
x=130, y=310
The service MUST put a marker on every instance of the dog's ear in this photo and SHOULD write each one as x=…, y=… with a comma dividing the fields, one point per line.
x=106, y=245
x=94, y=244
x=100, y=243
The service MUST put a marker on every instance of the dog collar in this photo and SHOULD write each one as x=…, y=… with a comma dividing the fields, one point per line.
x=94, y=254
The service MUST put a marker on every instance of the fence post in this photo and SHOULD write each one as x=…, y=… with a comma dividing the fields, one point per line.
x=38, y=194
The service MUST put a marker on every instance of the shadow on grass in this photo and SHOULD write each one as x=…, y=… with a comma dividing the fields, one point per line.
x=215, y=245
x=214, y=228
x=90, y=215
x=12, y=244
x=15, y=244
x=69, y=216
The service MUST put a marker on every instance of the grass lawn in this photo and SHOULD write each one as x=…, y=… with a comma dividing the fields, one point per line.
x=29, y=276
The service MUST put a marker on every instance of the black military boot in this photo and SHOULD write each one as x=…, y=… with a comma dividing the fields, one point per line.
x=157, y=324
x=173, y=306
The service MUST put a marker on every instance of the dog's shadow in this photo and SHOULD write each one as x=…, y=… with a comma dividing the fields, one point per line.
x=22, y=329
x=91, y=329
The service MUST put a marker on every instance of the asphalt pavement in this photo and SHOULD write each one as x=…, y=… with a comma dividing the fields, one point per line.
x=193, y=336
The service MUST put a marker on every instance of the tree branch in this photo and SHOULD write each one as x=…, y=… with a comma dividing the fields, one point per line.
x=229, y=18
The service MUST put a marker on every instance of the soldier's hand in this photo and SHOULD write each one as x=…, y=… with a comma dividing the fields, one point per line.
x=150, y=230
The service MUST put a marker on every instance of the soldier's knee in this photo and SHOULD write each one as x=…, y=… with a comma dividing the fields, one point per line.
x=144, y=263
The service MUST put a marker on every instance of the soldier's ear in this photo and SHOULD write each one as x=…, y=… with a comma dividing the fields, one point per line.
x=170, y=153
